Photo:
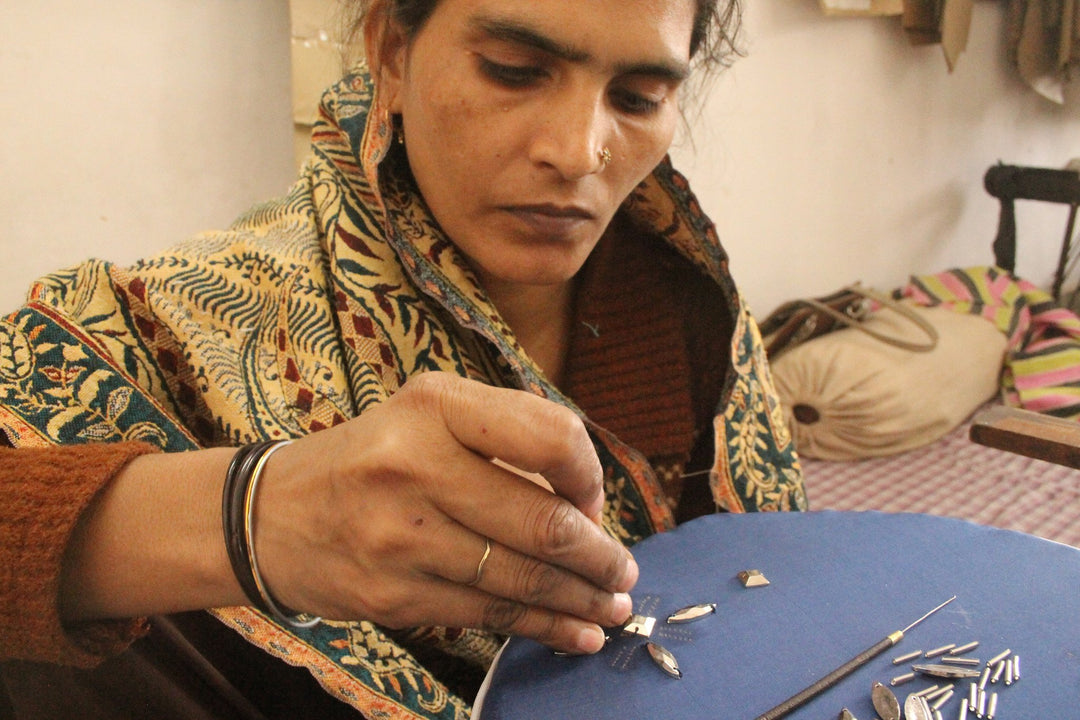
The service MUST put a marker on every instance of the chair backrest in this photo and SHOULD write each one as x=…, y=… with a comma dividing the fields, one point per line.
x=1009, y=183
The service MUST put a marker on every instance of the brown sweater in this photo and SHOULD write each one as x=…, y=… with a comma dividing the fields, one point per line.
x=37, y=518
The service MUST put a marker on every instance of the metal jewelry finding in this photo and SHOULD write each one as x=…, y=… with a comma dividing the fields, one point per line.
x=640, y=625
x=753, y=578
x=605, y=157
x=885, y=703
x=946, y=671
x=664, y=659
x=691, y=613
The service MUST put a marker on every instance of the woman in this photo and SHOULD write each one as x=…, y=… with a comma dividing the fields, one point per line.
x=490, y=267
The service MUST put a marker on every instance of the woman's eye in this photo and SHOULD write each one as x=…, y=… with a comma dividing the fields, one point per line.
x=634, y=103
x=513, y=76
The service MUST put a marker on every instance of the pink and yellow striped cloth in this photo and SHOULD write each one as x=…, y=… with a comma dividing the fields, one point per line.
x=1042, y=362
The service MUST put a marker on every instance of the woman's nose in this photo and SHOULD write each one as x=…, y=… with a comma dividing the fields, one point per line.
x=572, y=139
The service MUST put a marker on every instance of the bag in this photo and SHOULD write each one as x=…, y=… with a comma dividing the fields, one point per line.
x=797, y=321
x=847, y=395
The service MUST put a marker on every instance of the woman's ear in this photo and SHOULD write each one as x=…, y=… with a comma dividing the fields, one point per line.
x=385, y=46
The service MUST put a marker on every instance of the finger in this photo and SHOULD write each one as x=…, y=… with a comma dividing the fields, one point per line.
x=504, y=573
x=463, y=606
x=524, y=430
x=520, y=516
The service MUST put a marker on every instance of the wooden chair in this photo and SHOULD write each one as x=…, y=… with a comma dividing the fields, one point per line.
x=1009, y=183
x=1021, y=431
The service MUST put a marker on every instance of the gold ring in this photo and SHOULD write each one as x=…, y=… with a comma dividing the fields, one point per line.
x=605, y=156
x=480, y=567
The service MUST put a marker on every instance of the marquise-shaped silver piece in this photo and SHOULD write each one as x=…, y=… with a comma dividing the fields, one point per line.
x=691, y=613
x=886, y=704
x=916, y=708
x=946, y=671
x=664, y=659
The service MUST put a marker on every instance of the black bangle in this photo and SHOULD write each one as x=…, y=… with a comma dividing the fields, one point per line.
x=237, y=479
x=237, y=513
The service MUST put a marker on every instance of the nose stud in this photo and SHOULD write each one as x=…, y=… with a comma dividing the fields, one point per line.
x=605, y=157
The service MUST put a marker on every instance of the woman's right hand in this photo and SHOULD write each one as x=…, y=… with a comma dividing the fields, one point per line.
x=387, y=517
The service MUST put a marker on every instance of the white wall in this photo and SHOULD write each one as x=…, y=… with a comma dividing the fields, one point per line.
x=834, y=151
x=127, y=125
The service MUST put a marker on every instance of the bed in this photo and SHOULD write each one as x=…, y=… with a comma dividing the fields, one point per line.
x=956, y=477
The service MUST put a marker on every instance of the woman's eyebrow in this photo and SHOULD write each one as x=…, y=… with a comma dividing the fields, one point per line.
x=521, y=34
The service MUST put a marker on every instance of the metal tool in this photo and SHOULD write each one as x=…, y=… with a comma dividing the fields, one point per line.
x=844, y=670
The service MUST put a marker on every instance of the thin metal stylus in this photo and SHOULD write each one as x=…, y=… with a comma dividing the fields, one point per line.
x=844, y=670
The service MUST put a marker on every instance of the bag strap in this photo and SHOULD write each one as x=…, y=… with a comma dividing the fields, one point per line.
x=886, y=302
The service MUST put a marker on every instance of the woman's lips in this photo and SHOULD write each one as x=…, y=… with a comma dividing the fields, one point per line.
x=554, y=221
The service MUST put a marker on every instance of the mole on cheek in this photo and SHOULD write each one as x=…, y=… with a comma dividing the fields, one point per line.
x=418, y=521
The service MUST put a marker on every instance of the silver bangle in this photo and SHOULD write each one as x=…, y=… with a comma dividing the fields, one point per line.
x=249, y=539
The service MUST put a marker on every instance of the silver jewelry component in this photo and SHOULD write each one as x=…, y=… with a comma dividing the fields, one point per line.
x=998, y=669
x=845, y=714
x=480, y=567
x=905, y=658
x=944, y=690
x=940, y=651
x=963, y=712
x=916, y=708
x=981, y=709
x=945, y=671
x=752, y=578
x=961, y=661
x=998, y=658
x=885, y=703
x=973, y=697
x=691, y=613
x=941, y=700
x=1009, y=671
x=664, y=659
x=968, y=647
x=901, y=679
x=639, y=625
x=1016, y=668
x=992, y=707
x=927, y=691
x=937, y=715
x=984, y=677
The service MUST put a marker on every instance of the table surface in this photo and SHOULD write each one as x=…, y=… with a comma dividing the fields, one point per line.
x=839, y=583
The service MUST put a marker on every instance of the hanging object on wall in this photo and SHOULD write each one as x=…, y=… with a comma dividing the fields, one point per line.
x=1045, y=42
x=1043, y=36
x=946, y=22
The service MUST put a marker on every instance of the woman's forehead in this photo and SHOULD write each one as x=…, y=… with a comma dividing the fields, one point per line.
x=580, y=27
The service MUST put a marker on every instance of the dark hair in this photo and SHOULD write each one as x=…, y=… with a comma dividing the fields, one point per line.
x=712, y=39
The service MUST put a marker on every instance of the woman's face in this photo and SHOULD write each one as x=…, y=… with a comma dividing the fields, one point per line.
x=508, y=106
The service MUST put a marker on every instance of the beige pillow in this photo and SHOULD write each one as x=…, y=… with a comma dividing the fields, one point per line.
x=847, y=395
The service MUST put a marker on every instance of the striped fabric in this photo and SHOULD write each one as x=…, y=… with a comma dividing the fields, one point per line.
x=1042, y=361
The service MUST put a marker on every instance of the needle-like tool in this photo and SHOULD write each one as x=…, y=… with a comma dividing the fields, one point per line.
x=844, y=670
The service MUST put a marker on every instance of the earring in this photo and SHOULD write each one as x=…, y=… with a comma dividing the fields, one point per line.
x=605, y=157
